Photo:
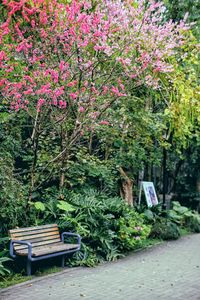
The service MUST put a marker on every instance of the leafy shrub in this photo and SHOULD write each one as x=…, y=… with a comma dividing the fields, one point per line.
x=3, y=270
x=90, y=171
x=165, y=229
x=3, y=257
x=184, y=217
x=13, y=205
x=132, y=230
x=180, y=215
x=107, y=225
x=193, y=223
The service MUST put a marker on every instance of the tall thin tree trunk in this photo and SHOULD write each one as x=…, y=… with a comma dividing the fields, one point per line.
x=35, y=141
x=126, y=189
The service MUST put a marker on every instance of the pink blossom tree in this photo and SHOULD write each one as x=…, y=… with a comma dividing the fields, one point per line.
x=67, y=64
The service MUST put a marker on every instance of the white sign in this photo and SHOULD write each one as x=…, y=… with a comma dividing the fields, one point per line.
x=150, y=193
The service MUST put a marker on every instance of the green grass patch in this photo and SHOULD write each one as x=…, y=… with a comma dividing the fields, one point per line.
x=19, y=278
x=48, y=270
x=185, y=231
x=13, y=279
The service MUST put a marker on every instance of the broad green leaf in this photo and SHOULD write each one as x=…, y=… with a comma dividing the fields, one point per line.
x=149, y=214
x=63, y=205
x=39, y=206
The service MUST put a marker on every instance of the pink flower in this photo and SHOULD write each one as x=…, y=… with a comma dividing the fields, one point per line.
x=81, y=109
x=94, y=115
x=2, y=82
x=104, y=123
x=40, y=103
x=115, y=90
x=33, y=23
x=62, y=104
x=72, y=83
x=59, y=91
x=54, y=76
x=105, y=90
x=62, y=66
x=30, y=79
x=73, y=95
x=28, y=92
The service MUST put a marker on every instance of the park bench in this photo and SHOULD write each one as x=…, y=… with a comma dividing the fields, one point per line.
x=41, y=242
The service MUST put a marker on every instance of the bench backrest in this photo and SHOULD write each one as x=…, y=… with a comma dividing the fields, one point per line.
x=43, y=235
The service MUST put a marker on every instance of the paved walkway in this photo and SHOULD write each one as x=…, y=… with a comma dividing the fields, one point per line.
x=165, y=272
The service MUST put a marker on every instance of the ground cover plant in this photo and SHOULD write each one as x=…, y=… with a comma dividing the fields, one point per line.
x=169, y=224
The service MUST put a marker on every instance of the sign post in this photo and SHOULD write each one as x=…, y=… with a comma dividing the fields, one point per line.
x=150, y=193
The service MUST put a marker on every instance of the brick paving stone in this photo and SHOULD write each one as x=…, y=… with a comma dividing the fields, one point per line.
x=170, y=271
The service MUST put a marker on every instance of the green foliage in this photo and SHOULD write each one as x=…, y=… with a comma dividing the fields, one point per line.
x=192, y=222
x=162, y=226
x=88, y=170
x=65, y=206
x=184, y=217
x=165, y=229
x=12, y=279
x=39, y=206
x=3, y=270
x=176, y=10
x=168, y=224
x=13, y=204
x=3, y=257
x=107, y=225
x=132, y=230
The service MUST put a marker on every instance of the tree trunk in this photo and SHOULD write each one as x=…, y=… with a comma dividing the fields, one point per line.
x=126, y=189
x=35, y=141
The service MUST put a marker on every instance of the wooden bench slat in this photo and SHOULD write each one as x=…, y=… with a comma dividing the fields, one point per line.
x=32, y=228
x=23, y=235
x=33, y=236
x=25, y=249
x=37, y=244
x=40, y=239
x=57, y=247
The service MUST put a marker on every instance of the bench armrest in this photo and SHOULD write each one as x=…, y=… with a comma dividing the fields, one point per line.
x=29, y=245
x=72, y=235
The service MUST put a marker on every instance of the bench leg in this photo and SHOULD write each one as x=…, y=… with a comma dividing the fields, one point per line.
x=28, y=267
x=63, y=261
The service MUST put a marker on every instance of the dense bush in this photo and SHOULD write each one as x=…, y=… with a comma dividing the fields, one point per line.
x=184, y=217
x=107, y=225
x=165, y=230
x=13, y=205
x=167, y=224
x=193, y=223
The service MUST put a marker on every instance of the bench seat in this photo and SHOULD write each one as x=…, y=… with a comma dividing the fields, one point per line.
x=41, y=242
x=52, y=248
